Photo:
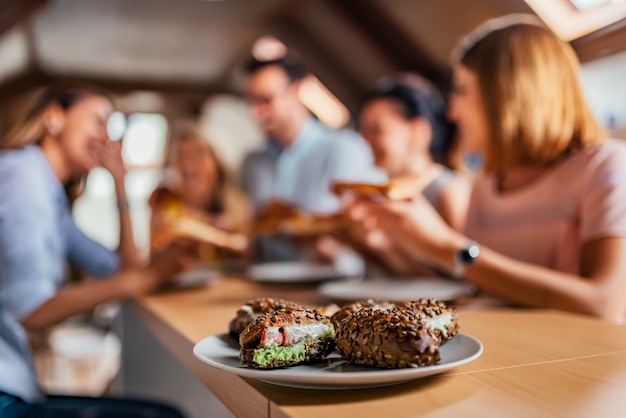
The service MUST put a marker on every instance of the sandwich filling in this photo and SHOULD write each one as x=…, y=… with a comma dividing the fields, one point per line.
x=441, y=323
x=439, y=318
x=290, y=343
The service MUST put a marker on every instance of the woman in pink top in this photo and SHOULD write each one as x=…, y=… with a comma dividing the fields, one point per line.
x=547, y=220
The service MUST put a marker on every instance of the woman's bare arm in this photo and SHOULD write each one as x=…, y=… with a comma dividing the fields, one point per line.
x=454, y=202
x=110, y=157
x=599, y=290
x=83, y=297
x=128, y=283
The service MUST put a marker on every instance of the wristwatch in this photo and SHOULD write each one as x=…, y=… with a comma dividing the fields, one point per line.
x=464, y=258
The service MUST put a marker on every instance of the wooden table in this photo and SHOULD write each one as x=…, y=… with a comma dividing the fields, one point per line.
x=536, y=363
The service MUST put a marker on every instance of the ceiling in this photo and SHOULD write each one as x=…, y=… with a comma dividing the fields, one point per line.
x=186, y=50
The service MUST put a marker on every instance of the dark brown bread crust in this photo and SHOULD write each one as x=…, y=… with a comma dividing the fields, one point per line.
x=263, y=305
x=430, y=309
x=350, y=308
x=395, y=338
x=251, y=336
x=316, y=351
x=259, y=305
x=328, y=310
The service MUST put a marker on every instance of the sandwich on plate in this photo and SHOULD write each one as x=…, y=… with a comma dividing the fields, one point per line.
x=286, y=338
x=401, y=337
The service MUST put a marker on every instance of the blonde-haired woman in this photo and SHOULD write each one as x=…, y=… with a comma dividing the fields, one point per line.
x=61, y=136
x=546, y=225
x=197, y=179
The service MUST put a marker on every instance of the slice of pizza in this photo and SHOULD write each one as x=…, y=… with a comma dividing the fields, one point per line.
x=282, y=218
x=398, y=188
x=202, y=231
x=179, y=221
x=269, y=221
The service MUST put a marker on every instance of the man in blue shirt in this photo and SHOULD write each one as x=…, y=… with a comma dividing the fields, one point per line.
x=312, y=156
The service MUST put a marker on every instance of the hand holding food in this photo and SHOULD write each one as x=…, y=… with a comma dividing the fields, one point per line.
x=397, y=189
x=280, y=217
x=178, y=221
x=416, y=229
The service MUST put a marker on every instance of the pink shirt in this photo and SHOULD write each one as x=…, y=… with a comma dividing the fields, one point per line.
x=579, y=199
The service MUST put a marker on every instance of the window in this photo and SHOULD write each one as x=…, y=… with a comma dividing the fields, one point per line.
x=586, y=5
x=143, y=150
x=144, y=141
x=571, y=19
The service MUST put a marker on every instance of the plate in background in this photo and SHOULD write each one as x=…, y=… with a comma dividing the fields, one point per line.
x=397, y=290
x=292, y=272
x=196, y=277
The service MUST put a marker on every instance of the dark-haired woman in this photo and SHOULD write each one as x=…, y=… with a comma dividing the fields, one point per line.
x=404, y=121
x=60, y=136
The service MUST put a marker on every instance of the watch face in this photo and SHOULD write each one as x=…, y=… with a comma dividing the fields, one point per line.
x=470, y=254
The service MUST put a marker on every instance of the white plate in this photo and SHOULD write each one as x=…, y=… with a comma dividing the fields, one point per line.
x=222, y=351
x=196, y=277
x=292, y=272
x=397, y=290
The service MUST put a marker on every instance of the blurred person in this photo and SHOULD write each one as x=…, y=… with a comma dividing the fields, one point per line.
x=546, y=225
x=258, y=174
x=310, y=155
x=404, y=120
x=198, y=179
x=60, y=137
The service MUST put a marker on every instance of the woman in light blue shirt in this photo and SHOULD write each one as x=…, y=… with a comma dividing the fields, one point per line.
x=60, y=137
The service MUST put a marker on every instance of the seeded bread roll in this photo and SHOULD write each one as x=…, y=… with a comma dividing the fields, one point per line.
x=350, y=308
x=440, y=318
x=286, y=338
x=255, y=307
x=395, y=338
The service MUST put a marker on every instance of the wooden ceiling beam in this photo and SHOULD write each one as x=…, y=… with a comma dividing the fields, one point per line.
x=194, y=94
x=122, y=86
x=606, y=41
x=331, y=71
x=13, y=12
x=383, y=33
